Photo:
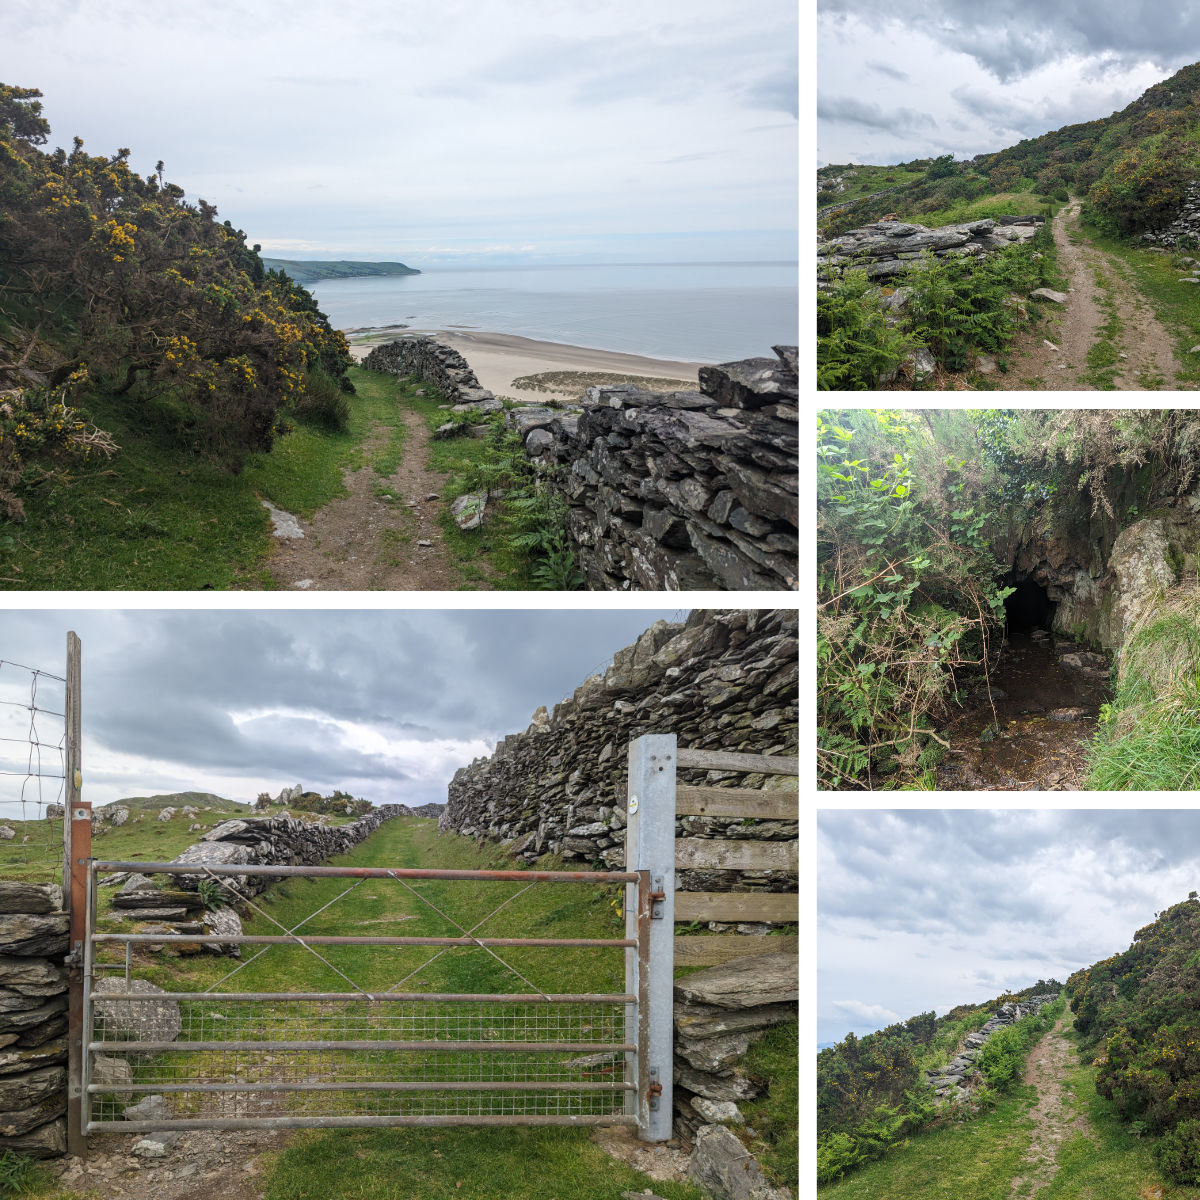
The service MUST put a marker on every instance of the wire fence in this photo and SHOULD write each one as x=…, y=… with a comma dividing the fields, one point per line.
x=33, y=773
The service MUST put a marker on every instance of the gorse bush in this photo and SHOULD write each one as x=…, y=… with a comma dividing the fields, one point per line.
x=125, y=293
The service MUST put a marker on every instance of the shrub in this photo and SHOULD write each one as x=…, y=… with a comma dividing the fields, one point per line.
x=322, y=402
x=855, y=344
x=1144, y=186
x=1178, y=1153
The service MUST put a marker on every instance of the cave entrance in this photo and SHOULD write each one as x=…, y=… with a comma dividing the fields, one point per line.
x=1029, y=607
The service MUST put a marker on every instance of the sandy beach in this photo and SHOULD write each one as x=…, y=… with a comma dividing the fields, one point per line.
x=499, y=358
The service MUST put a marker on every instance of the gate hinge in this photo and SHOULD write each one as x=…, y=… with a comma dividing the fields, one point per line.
x=75, y=958
x=654, y=1090
x=658, y=897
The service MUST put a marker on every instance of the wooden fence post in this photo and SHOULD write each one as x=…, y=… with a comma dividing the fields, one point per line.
x=650, y=916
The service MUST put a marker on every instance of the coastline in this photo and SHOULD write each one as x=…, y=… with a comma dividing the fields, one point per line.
x=499, y=358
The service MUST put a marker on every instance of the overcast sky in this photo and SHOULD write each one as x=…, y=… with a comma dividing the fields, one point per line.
x=386, y=705
x=462, y=130
x=926, y=909
x=902, y=79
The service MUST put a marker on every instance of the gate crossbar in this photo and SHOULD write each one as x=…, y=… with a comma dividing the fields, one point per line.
x=371, y=1079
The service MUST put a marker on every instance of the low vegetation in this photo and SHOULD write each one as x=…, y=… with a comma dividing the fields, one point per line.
x=871, y=1091
x=955, y=308
x=911, y=597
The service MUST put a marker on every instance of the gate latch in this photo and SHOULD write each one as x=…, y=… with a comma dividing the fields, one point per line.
x=658, y=897
x=654, y=1090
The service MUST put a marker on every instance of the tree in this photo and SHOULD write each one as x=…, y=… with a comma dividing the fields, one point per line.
x=942, y=168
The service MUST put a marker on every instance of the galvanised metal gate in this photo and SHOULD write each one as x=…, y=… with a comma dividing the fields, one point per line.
x=227, y=1059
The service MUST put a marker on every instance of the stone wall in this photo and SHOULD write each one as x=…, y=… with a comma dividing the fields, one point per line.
x=270, y=841
x=725, y=680
x=435, y=363
x=33, y=1019
x=682, y=490
x=1185, y=226
x=950, y=1082
x=719, y=1013
x=887, y=248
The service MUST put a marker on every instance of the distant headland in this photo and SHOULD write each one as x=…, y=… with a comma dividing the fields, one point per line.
x=314, y=272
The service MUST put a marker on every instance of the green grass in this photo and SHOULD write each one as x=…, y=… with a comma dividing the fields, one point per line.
x=524, y=1164
x=1112, y=1163
x=1104, y=355
x=972, y=1160
x=153, y=517
x=464, y=1164
x=776, y=1143
x=1176, y=304
x=999, y=204
x=868, y=179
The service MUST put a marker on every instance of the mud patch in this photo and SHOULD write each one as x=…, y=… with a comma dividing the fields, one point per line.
x=1027, y=726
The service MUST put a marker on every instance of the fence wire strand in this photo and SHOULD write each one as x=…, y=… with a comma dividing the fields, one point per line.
x=33, y=752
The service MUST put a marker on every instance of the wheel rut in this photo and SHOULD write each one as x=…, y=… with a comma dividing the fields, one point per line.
x=1102, y=301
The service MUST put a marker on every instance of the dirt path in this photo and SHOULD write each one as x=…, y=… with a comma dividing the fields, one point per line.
x=1053, y=1120
x=372, y=538
x=1054, y=356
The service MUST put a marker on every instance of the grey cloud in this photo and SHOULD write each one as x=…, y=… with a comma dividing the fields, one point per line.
x=849, y=111
x=1012, y=38
x=888, y=69
x=779, y=91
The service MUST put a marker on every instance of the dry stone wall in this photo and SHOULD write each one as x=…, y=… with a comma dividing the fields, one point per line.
x=33, y=1019
x=682, y=490
x=950, y=1082
x=669, y=491
x=270, y=841
x=724, y=680
x=435, y=363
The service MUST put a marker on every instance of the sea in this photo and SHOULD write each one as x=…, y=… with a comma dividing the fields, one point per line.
x=691, y=312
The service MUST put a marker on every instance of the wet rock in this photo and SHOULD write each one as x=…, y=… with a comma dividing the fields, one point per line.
x=1073, y=713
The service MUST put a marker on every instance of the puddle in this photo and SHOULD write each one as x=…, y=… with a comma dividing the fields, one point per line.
x=1045, y=694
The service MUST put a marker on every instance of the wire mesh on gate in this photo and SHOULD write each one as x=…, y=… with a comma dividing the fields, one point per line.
x=353, y=1057
x=32, y=767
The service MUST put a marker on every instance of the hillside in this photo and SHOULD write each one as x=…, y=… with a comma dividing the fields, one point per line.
x=1123, y=1067
x=202, y=800
x=1087, y=307
x=129, y=314
x=315, y=271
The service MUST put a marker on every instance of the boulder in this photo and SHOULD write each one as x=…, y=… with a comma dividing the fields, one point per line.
x=136, y=1020
x=723, y=1166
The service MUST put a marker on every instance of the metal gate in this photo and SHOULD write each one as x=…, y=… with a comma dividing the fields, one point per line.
x=229, y=1059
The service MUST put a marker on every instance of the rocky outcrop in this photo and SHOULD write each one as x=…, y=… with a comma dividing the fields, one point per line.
x=33, y=1019
x=951, y=1082
x=724, y=680
x=438, y=364
x=682, y=490
x=887, y=248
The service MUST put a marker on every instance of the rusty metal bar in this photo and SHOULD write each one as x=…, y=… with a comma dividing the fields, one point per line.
x=294, y=939
x=372, y=1086
x=235, y=1123
x=175, y=868
x=79, y=817
x=451, y=997
x=514, y=1047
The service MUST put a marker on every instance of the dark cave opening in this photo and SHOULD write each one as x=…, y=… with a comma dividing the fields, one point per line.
x=1028, y=607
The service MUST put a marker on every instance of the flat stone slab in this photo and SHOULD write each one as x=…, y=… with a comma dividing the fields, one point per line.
x=744, y=983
